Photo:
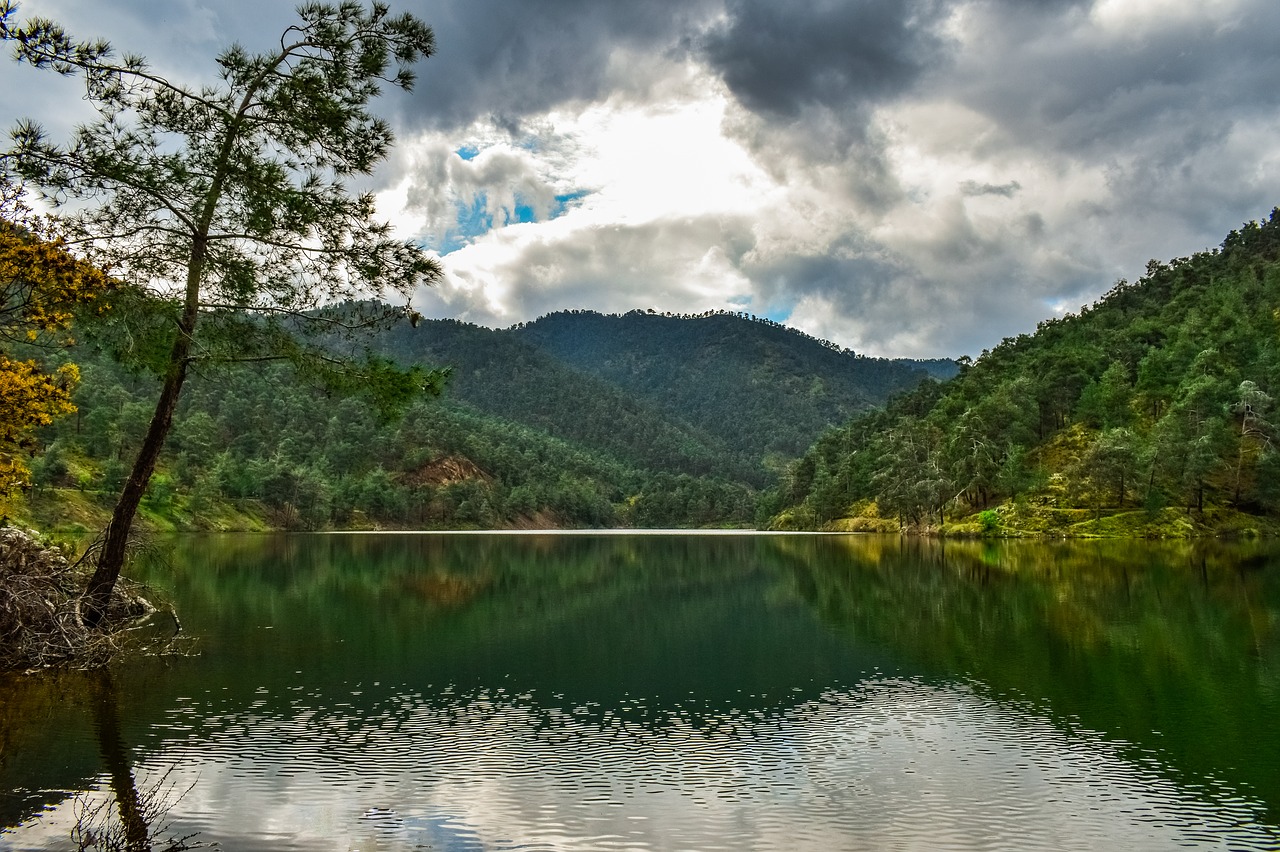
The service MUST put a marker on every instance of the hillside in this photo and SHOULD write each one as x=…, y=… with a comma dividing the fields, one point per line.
x=755, y=384
x=521, y=437
x=497, y=374
x=1148, y=413
x=716, y=394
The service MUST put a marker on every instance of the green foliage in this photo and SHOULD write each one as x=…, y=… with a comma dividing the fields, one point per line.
x=304, y=459
x=715, y=396
x=227, y=209
x=1157, y=395
x=757, y=386
x=499, y=374
x=536, y=439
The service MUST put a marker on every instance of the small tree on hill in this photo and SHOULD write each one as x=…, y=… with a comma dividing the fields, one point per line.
x=227, y=206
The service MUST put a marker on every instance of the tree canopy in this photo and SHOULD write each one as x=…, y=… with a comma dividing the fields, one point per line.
x=228, y=206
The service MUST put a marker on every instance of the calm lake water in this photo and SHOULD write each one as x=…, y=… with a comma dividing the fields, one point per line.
x=643, y=692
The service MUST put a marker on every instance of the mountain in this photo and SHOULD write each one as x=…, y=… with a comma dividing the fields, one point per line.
x=529, y=432
x=498, y=374
x=759, y=386
x=711, y=394
x=1150, y=412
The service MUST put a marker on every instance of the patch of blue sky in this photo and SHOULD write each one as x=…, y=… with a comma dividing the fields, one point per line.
x=775, y=311
x=522, y=214
x=567, y=201
x=468, y=152
x=474, y=219
x=778, y=310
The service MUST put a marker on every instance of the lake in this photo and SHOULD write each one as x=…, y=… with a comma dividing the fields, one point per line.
x=670, y=691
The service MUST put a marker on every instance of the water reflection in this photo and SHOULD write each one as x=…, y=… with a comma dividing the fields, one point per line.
x=111, y=812
x=409, y=692
x=139, y=820
x=893, y=764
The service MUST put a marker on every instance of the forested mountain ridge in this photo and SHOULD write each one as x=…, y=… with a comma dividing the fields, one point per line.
x=1148, y=412
x=502, y=376
x=728, y=391
x=759, y=385
x=521, y=437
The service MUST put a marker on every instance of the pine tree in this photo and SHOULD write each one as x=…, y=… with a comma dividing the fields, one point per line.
x=227, y=206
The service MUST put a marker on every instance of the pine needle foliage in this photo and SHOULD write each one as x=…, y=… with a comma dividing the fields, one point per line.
x=229, y=200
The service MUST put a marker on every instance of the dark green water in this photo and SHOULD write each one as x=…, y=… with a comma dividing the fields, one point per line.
x=474, y=692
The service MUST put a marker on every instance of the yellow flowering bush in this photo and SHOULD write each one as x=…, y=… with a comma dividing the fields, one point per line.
x=41, y=285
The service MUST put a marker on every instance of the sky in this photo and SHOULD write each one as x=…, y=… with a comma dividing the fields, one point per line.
x=906, y=179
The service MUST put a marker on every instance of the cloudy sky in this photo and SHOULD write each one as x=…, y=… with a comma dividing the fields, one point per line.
x=916, y=178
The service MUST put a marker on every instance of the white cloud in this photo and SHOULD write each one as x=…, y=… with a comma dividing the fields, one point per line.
x=1137, y=18
x=659, y=217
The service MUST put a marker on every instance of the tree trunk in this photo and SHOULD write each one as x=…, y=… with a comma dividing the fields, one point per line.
x=111, y=560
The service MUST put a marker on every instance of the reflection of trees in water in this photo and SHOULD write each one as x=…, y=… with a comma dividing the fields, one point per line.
x=1169, y=646
x=139, y=820
x=320, y=581
x=600, y=618
x=1090, y=595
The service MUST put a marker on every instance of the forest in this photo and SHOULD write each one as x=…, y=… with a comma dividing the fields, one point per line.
x=524, y=435
x=1149, y=412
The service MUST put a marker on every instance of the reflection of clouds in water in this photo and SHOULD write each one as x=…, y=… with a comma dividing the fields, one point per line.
x=891, y=764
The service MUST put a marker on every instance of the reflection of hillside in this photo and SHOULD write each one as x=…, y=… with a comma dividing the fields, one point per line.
x=1124, y=637
x=46, y=738
x=599, y=617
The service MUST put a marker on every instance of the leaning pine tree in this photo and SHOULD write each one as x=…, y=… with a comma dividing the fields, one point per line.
x=225, y=209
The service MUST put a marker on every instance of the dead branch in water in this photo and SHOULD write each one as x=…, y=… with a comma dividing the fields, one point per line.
x=40, y=623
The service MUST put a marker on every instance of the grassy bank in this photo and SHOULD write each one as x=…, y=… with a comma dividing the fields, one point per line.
x=1026, y=520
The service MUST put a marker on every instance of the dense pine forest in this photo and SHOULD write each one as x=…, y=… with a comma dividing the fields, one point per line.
x=1149, y=412
x=707, y=371
x=530, y=432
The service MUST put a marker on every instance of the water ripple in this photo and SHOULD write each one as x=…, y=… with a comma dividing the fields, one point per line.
x=891, y=764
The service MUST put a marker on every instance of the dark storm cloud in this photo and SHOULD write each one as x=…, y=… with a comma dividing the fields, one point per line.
x=504, y=61
x=1058, y=81
x=779, y=58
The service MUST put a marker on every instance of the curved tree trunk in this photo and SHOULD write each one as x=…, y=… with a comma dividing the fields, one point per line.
x=111, y=560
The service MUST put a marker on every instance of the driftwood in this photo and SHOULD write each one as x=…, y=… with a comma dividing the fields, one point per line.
x=40, y=620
